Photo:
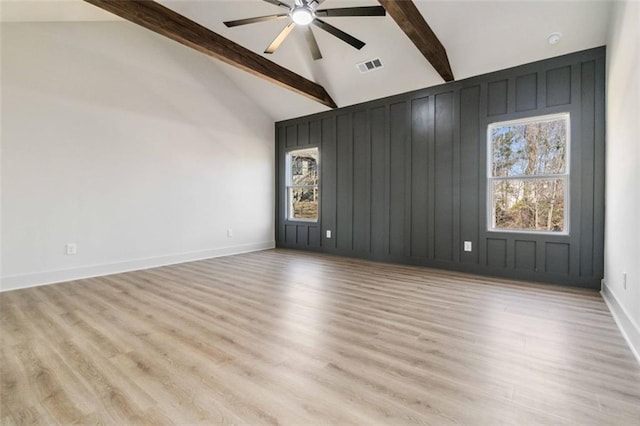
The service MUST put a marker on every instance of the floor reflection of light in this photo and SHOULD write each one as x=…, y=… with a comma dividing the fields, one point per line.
x=304, y=304
x=516, y=333
x=301, y=325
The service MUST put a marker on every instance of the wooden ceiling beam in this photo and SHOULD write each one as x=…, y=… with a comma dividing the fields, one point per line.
x=162, y=20
x=411, y=21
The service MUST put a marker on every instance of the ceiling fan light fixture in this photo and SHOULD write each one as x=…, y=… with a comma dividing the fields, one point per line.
x=302, y=16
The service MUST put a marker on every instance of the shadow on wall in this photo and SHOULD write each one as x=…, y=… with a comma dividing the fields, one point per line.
x=81, y=59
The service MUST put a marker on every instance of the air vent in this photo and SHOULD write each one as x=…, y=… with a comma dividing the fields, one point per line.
x=369, y=66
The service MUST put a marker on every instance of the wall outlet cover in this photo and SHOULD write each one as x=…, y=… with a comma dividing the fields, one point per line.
x=328, y=233
x=467, y=246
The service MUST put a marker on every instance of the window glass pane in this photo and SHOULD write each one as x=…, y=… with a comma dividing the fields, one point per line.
x=303, y=203
x=304, y=167
x=302, y=184
x=529, y=204
x=529, y=148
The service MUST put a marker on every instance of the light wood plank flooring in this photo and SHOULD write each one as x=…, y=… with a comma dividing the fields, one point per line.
x=286, y=337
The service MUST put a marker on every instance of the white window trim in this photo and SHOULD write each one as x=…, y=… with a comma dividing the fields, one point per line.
x=289, y=184
x=566, y=176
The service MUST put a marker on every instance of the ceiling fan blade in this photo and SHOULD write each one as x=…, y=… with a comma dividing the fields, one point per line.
x=278, y=3
x=313, y=44
x=280, y=38
x=254, y=20
x=339, y=33
x=353, y=11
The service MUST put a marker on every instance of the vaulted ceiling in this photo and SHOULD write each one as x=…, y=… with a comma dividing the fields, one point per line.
x=479, y=37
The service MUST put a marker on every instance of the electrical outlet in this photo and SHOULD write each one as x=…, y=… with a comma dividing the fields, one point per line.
x=328, y=233
x=624, y=280
x=229, y=232
x=467, y=246
x=71, y=249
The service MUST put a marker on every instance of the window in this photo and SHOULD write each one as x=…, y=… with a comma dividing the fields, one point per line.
x=528, y=174
x=302, y=184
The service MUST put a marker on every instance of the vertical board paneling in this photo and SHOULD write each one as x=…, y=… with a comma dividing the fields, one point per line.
x=557, y=258
x=379, y=180
x=444, y=176
x=525, y=255
x=597, y=255
x=541, y=78
x=281, y=199
x=483, y=214
x=397, y=134
x=290, y=234
x=314, y=236
x=344, y=226
x=404, y=178
x=576, y=170
x=497, y=97
x=292, y=136
x=587, y=146
x=419, y=186
x=303, y=135
x=496, y=253
x=469, y=165
x=361, y=183
x=431, y=179
x=559, y=86
x=456, y=244
x=408, y=201
x=315, y=133
x=328, y=161
x=526, y=92
x=302, y=235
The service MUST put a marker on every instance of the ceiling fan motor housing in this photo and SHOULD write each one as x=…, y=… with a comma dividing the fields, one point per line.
x=302, y=15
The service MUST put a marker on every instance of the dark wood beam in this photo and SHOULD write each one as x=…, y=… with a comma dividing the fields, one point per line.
x=410, y=20
x=157, y=18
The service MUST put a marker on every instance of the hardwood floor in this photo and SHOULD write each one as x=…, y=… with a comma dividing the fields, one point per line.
x=286, y=337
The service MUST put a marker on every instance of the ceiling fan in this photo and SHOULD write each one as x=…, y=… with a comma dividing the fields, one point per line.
x=306, y=12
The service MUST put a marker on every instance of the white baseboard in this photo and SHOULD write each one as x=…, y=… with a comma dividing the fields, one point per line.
x=626, y=324
x=14, y=282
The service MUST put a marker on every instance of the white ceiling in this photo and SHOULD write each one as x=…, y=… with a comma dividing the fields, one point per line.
x=479, y=36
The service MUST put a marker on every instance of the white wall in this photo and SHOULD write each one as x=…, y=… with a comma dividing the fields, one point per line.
x=132, y=146
x=622, y=229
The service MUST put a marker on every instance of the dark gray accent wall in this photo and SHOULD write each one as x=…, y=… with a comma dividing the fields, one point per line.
x=403, y=179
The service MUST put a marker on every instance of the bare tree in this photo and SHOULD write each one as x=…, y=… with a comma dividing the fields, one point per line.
x=524, y=155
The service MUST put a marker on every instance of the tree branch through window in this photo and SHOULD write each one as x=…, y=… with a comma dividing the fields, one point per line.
x=529, y=174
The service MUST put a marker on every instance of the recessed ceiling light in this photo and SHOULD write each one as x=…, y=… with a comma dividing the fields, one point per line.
x=302, y=15
x=554, y=38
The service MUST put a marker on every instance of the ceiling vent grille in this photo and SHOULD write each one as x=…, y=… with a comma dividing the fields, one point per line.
x=369, y=66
